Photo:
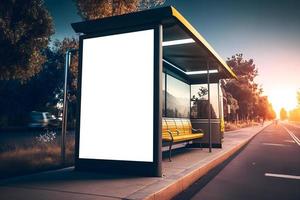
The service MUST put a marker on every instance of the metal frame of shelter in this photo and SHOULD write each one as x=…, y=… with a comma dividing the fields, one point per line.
x=192, y=58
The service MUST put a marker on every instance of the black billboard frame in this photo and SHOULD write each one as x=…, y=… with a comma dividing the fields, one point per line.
x=127, y=167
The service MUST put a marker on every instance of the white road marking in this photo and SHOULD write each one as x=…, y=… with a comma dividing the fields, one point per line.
x=283, y=176
x=290, y=141
x=292, y=135
x=295, y=138
x=273, y=144
x=294, y=125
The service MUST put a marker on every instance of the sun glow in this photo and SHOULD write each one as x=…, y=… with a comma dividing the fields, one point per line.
x=283, y=98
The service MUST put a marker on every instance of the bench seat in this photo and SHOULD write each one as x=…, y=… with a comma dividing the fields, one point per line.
x=181, y=138
x=178, y=130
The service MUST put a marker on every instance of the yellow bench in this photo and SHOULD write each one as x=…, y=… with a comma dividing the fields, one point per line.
x=177, y=130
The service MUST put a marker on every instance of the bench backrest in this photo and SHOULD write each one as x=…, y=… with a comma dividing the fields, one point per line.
x=171, y=125
x=187, y=126
x=164, y=128
x=179, y=125
x=176, y=126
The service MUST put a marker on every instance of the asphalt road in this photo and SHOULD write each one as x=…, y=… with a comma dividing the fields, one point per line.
x=267, y=168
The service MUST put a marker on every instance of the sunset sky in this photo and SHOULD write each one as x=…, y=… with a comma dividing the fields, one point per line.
x=265, y=30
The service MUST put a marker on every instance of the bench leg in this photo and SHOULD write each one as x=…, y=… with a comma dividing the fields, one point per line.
x=170, y=151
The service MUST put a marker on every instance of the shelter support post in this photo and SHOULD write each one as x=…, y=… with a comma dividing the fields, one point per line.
x=209, y=108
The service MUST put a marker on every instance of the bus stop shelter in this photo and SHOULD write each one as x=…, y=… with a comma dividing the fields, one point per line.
x=125, y=63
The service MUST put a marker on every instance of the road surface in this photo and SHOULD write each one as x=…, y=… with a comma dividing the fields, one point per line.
x=267, y=168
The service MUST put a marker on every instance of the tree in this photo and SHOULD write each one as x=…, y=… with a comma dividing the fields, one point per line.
x=230, y=104
x=283, y=114
x=243, y=94
x=264, y=109
x=96, y=9
x=202, y=92
x=200, y=104
x=298, y=98
x=271, y=112
x=25, y=30
x=42, y=92
x=294, y=115
x=244, y=90
x=60, y=49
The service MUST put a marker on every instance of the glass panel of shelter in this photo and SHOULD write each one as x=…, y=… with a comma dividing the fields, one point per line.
x=199, y=101
x=177, y=98
x=181, y=100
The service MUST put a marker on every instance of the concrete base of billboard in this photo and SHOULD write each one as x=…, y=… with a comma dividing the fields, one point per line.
x=187, y=166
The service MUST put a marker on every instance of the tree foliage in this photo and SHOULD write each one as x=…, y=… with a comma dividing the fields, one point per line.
x=294, y=114
x=264, y=109
x=25, y=27
x=298, y=98
x=25, y=30
x=60, y=48
x=39, y=93
x=202, y=92
x=283, y=114
x=230, y=103
x=44, y=91
x=96, y=9
x=244, y=95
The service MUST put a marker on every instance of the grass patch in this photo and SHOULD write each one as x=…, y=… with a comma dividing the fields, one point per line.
x=229, y=126
x=38, y=156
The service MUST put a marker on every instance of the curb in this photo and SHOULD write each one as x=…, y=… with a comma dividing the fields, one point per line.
x=187, y=180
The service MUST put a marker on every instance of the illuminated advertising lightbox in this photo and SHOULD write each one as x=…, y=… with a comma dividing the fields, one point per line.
x=116, y=114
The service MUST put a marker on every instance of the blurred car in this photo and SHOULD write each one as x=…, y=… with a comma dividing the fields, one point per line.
x=42, y=120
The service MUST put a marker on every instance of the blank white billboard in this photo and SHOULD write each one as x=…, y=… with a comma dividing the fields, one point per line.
x=116, y=117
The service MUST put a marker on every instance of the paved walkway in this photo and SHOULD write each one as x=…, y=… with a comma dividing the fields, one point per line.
x=186, y=167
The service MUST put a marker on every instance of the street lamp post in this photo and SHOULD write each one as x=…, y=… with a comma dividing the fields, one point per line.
x=65, y=106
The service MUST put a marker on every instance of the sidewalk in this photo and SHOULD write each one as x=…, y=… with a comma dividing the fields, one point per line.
x=186, y=167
